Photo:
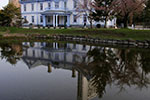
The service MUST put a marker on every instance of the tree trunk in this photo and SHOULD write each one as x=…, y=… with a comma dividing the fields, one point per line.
x=105, y=26
x=91, y=26
x=125, y=21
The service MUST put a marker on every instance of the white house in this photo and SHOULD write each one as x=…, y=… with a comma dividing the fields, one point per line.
x=54, y=13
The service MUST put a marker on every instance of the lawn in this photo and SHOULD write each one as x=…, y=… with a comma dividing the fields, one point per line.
x=121, y=34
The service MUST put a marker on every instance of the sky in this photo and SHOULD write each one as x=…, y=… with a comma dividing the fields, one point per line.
x=3, y=3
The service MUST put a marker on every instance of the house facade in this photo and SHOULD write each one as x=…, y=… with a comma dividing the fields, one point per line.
x=54, y=13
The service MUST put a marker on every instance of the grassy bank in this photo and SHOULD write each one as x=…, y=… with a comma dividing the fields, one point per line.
x=121, y=34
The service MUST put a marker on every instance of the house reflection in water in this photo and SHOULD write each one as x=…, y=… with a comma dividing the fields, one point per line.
x=64, y=56
x=94, y=67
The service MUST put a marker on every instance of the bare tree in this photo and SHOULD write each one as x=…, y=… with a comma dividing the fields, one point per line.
x=84, y=7
x=126, y=9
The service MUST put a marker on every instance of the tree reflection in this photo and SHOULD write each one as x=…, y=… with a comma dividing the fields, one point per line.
x=128, y=70
x=123, y=67
x=106, y=66
x=11, y=52
x=102, y=61
x=145, y=61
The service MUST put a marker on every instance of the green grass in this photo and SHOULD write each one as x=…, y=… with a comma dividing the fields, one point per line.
x=121, y=34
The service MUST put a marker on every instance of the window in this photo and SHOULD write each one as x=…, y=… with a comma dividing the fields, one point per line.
x=48, y=19
x=83, y=59
x=56, y=4
x=84, y=18
x=32, y=7
x=25, y=17
x=74, y=58
x=65, y=4
x=56, y=56
x=74, y=46
x=25, y=8
x=49, y=5
x=75, y=18
x=42, y=44
x=33, y=53
x=41, y=19
x=32, y=19
x=26, y=52
x=49, y=55
x=42, y=54
x=75, y=4
x=41, y=6
x=84, y=47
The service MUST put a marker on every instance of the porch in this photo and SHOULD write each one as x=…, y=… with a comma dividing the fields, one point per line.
x=56, y=18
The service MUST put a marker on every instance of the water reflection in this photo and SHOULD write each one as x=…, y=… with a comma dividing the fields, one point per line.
x=95, y=67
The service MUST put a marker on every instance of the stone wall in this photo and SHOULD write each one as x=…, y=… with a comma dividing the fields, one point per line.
x=83, y=39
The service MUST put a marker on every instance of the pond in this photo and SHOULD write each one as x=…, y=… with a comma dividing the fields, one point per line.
x=70, y=71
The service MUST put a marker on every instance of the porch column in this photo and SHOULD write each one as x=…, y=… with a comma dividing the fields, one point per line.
x=44, y=21
x=53, y=20
x=56, y=20
x=68, y=20
x=49, y=68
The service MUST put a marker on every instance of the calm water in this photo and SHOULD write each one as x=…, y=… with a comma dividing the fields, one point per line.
x=54, y=71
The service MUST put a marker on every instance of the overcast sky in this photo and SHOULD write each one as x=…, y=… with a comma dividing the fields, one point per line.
x=3, y=3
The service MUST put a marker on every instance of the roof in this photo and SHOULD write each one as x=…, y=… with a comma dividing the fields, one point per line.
x=30, y=1
x=60, y=12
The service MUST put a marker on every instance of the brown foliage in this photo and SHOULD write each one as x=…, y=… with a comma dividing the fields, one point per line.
x=127, y=8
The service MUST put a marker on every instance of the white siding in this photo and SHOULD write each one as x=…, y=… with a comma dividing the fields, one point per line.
x=37, y=12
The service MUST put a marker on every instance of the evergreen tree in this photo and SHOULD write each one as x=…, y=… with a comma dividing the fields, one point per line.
x=10, y=15
x=146, y=13
x=104, y=10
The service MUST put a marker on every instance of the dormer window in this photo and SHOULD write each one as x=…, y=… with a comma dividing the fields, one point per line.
x=56, y=4
x=49, y=5
x=41, y=6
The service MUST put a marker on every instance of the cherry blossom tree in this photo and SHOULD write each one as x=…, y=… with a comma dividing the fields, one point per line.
x=127, y=8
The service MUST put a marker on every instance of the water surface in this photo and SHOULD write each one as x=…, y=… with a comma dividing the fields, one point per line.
x=68, y=71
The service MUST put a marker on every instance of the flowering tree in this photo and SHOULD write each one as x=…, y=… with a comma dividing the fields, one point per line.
x=126, y=8
x=104, y=10
x=84, y=7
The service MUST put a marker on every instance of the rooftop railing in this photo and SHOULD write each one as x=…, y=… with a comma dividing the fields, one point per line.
x=38, y=0
x=53, y=8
